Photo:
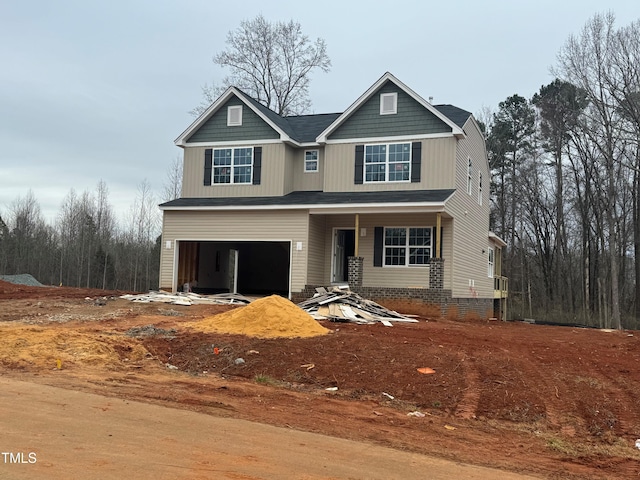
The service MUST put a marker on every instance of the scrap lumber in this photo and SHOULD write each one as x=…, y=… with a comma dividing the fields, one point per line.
x=339, y=304
x=189, y=298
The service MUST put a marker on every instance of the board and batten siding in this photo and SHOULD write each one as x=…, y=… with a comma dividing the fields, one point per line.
x=215, y=129
x=437, y=168
x=271, y=181
x=411, y=118
x=471, y=220
x=285, y=225
x=401, y=277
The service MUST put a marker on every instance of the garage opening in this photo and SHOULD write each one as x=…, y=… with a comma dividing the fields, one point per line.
x=249, y=268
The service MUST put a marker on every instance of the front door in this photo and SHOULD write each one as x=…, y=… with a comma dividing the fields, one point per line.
x=343, y=248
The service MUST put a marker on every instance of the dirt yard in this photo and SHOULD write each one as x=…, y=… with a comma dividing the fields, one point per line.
x=551, y=402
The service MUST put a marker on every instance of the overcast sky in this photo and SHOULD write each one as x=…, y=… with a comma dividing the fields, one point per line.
x=94, y=91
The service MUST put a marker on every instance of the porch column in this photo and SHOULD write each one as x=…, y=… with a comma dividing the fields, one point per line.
x=355, y=270
x=356, y=248
x=436, y=273
x=438, y=239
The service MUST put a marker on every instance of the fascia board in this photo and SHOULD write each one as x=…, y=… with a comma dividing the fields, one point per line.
x=336, y=208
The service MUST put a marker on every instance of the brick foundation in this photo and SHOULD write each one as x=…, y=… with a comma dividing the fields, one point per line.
x=432, y=296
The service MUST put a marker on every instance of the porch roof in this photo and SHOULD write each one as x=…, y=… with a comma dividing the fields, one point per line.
x=322, y=202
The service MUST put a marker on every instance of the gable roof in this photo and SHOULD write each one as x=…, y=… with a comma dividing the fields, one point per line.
x=322, y=138
x=312, y=129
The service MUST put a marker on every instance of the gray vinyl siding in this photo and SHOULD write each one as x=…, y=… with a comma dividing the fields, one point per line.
x=285, y=225
x=471, y=224
x=317, y=261
x=403, y=277
x=437, y=167
x=307, y=181
x=271, y=182
x=411, y=118
x=215, y=129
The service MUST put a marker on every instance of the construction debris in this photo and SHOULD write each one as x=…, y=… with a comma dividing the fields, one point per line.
x=340, y=304
x=189, y=298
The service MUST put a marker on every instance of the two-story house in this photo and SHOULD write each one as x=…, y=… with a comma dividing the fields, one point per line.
x=391, y=196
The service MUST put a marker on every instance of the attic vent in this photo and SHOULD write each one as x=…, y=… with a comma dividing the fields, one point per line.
x=234, y=116
x=388, y=103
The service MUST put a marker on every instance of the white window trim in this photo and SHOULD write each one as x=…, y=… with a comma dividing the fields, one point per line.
x=491, y=260
x=393, y=95
x=317, y=160
x=234, y=108
x=406, y=247
x=386, y=163
x=469, y=177
x=232, y=166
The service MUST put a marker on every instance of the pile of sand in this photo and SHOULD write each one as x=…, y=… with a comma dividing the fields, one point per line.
x=43, y=347
x=269, y=317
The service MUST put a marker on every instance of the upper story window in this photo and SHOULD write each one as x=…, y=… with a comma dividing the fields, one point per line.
x=234, y=116
x=387, y=162
x=469, y=176
x=388, y=103
x=407, y=246
x=311, y=161
x=479, y=188
x=232, y=165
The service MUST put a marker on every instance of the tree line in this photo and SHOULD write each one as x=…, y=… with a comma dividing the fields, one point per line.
x=566, y=179
x=86, y=246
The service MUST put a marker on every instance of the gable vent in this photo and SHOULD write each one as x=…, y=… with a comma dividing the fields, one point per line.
x=234, y=116
x=388, y=103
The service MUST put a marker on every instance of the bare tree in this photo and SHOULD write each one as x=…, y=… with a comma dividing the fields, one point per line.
x=172, y=187
x=272, y=62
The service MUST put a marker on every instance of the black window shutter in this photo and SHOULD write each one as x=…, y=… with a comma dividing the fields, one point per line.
x=416, y=161
x=208, y=155
x=359, y=164
x=378, y=246
x=257, y=165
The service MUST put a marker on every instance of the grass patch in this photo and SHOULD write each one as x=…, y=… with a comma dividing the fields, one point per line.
x=263, y=379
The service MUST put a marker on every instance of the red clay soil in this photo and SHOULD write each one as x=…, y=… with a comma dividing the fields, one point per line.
x=556, y=402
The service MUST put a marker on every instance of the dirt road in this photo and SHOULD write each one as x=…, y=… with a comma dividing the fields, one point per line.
x=63, y=434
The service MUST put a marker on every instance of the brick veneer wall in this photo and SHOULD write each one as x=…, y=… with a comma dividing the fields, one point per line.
x=356, y=271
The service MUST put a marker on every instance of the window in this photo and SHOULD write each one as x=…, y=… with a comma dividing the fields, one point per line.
x=491, y=262
x=232, y=165
x=469, y=176
x=311, y=161
x=407, y=246
x=388, y=103
x=387, y=163
x=234, y=116
x=479, y=188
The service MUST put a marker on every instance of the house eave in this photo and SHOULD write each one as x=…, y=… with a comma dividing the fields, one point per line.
x=328, y=209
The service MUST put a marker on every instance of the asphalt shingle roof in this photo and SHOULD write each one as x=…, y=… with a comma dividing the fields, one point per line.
x=317, y=198
x=455, y=114
x=305, y=128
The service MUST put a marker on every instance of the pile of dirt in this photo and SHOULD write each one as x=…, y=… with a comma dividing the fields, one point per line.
x=44, y=347
x=269, y=317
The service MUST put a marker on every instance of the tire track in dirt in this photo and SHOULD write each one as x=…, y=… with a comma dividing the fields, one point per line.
x=468, y=405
